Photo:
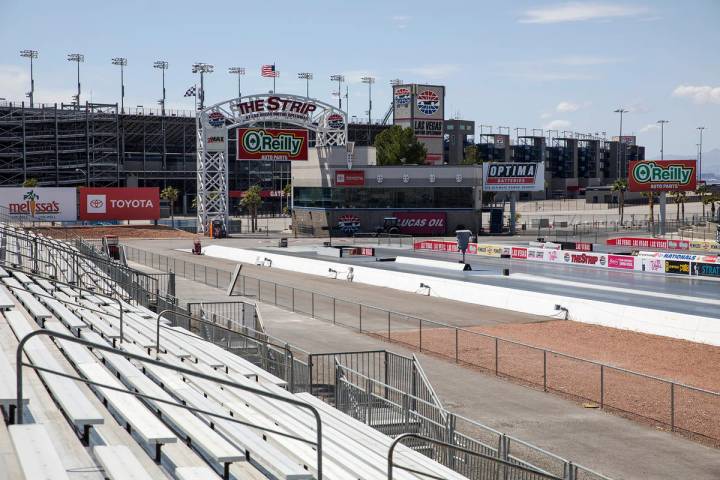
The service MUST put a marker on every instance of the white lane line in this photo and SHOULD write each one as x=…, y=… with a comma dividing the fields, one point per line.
x=540, y=279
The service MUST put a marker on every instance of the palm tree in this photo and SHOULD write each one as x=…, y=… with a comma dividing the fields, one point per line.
x=171, y=193
x=287, y=192
x=252, y=201
x=677, y=200
x=620, y=185
x=651, y=203
x=30, y=183
x=702, y=191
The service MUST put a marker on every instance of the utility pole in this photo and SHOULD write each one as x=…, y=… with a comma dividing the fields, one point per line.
x=79, y=58
x=31, y=54
x=123, y=63
x=162, y=65
x=307, y=76
x=621, y=145
x=340, y=79
x=239, y=71
x=202, y=69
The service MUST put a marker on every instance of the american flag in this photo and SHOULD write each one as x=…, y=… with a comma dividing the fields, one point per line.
x=269, y=71
x=190, y=92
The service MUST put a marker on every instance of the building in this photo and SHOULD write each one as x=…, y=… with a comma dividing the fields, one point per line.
x=459, y=134
x=422, y=108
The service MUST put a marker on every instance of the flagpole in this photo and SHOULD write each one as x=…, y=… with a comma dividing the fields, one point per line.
x=274, y=76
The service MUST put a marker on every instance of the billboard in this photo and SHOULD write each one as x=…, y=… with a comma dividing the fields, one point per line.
x=348, y=178
x=422, y=108
x=40, y=203
x=680, y=268
x=272, y=144
x=513, y=177
x=662, y=175
x=626, y=139
x=422, y=223
x=705, y=270
x=119, y=203
x=648, y=242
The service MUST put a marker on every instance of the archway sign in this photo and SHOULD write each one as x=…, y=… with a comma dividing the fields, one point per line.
x=212, y=123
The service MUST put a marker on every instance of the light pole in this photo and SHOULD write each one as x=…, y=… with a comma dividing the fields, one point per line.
x=85, y=173
x=621, y=145
x=31, y=54
x=307, y=76
x=663, y=195
x=369, y=81
x=700, y=129
x=122, y=62
x=340, y=79
x=395, y=82
x=202, y=69
x=239, y=71
x=79, y=58
x=162, y=65
x=662, y=136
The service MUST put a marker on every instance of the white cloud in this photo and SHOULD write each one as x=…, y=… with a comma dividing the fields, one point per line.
x=568, y=107
x=648, y=127
x=578, y=12
x=585, y=60
x=545, y=116
x=401, y=21
x=699, y=94
x=557, y=125
x=15, y=82
x=540, y=76
x=433, y=72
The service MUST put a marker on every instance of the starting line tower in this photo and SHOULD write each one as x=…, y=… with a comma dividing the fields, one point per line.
x=328, y=123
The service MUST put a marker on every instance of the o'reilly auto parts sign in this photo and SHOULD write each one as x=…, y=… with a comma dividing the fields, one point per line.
x=272, y=144
x=662, y=176
x=513, y=177
x=40, y=203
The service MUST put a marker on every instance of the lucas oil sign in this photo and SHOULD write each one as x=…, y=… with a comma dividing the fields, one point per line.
x=513, y=177
x=662, y=176
x=272, y=144
x=422, y=223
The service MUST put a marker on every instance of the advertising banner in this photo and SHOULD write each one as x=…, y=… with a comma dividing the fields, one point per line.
x=422, y=223
x=436, y=245
x=215, y=139
x=684, y=257
x=513, y=177
x=489, y=250
x=272, y=144
x=643, y=242
x=705, y=269
x=40, y=203
x=680, y=268
x=591, y=259
x=347, y=178
x=429, y=103
x=626, y=139
x=119, y=203
x=662, y=175
x=520, y=253
x=623, y=262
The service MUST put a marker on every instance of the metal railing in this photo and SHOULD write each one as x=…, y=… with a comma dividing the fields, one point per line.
x=666, y=402
x=229, y=383
x=385, y=239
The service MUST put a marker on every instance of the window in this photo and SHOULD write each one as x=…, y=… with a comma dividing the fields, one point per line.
x=419, y=197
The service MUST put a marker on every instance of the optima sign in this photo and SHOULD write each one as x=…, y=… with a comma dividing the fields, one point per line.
x=662, y=176
x=513, y=177
x=271, y=144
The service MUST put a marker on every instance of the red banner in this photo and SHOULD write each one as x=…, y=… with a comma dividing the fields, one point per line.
x=347, y=178
x=422, y=223
x=643, y=242
x=519, y=253
x=272, y=144
x=662, y=176
x=119, y=203
x=624, y=262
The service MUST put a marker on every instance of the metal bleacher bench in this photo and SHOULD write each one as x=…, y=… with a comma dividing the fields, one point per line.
x=8, y=391
x=35, y=453
x=119, y=463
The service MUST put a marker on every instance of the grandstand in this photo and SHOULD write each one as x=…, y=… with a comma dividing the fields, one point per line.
x=104, y=375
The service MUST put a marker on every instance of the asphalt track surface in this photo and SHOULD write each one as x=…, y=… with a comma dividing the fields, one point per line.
x=662, y=292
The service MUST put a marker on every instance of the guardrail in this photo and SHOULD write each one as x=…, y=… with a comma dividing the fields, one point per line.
x=674, y=405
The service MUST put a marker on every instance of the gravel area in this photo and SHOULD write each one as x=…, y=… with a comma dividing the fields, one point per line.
x=684, y=362
x=122, y=231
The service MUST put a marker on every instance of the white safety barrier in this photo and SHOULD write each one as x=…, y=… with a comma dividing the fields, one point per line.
x=424, y=262
x=616, y=315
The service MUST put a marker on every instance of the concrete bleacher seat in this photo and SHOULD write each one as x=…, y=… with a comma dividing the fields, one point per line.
x=119, y=463
x=6, y=302
x=36, y=454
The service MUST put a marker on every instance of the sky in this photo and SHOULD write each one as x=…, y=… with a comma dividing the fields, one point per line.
x=521, y=64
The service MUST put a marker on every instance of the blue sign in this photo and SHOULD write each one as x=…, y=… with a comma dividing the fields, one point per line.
x=706, y=269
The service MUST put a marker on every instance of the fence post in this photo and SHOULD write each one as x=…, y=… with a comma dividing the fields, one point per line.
x=312, y=304
x=497, y=369
x=672, y=406
x=388, y=329
x=171, y=284
x=275, y=293
x=420, y=334
x=360, y=315
x=602, y=385
x=544, y=370
x=368, y=405
x=293, y=298
x=570, y=471
x=310, y=373
x=456, y=346
x=333, y=310
x=450, y=438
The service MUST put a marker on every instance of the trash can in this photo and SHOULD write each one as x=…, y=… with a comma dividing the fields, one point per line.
x=282, y=243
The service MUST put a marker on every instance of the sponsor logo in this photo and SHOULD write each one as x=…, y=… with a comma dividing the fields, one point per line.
x=566, y=257
x=349, y=223
x=216, y=119
x=402, y=96
x=521, y=253
x=119, y=203
x=275, y=106
x=216, y=139
x=33, y=206
x=662, y=175
x=422, y=223
x=513, y=176
x=96, y=203
x=259, y=140
x=620, y=261
x=585, y=259
x=349, y=177
x=681, y=268
x=706, y=270
x=336, y=121
x=428, y=102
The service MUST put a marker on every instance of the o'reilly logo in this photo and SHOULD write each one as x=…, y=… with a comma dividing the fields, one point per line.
x=650, y=172
x=255, y=141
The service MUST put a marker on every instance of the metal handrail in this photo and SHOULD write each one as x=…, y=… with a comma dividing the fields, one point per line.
x=34, y=259
x=391, y=464
x=426, y=382
x=298, y=403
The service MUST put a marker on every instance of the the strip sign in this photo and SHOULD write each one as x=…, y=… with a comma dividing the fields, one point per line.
x=662, y=176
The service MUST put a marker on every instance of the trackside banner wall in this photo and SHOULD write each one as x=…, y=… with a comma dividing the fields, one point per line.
x=40, y=203
x=272, y=144
x=662, y=176
x=513, y=177
x=119, y=203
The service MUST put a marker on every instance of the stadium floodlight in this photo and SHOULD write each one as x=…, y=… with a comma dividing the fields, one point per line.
x=31, y=54
x=621, y=145
x=78, y=58
x=395, y=82
x=122, y=62
x=239, y=71
x=162, y=65
x=340, y=79
x=369, y=81
x=307, y=76
x=202, y=69
x=700, y=129
x=662, y=136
